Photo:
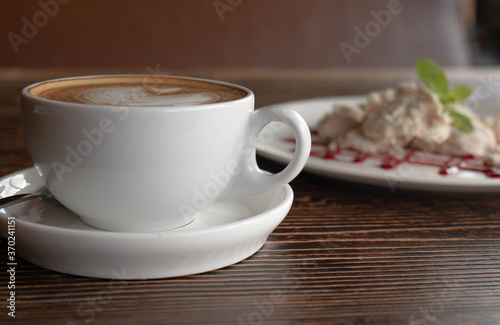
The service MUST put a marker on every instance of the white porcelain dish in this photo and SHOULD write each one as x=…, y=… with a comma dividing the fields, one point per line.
x=274, y=144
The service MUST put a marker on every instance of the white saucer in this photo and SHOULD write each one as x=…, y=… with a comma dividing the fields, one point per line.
x=50, y=236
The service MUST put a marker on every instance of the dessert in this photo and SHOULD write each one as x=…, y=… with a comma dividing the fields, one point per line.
x=413, y=116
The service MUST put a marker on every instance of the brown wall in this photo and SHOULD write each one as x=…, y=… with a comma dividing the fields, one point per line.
x=265, y=33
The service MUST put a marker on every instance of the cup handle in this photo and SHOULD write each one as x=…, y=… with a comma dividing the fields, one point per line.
x=250, y=179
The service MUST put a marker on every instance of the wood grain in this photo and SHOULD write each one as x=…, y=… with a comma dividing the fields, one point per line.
x=346, y=254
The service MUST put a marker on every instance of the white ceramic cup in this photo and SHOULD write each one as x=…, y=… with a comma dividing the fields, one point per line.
x=144, y=169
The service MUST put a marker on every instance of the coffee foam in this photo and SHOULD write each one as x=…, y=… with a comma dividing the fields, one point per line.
x=136, y=91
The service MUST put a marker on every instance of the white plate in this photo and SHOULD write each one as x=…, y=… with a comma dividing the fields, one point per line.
x=50, y=236
x=274, y=144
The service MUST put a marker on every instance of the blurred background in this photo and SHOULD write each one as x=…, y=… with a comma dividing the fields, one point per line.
x=190, y=34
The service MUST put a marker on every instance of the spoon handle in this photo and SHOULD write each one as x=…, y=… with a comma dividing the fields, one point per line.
x=18, y=198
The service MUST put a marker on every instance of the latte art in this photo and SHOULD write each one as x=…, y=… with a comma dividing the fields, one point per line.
x=136, y=91
x=137, y=96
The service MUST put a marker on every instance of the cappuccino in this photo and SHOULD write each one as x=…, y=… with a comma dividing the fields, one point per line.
x=136, y=91
x=151, y=166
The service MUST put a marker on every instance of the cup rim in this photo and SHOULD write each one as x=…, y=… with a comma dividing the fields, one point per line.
x=25, y=93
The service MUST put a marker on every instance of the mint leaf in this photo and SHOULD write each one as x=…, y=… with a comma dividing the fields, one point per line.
x=459, y=93
x=446, y=99
x=432, y=76
x=460, y=121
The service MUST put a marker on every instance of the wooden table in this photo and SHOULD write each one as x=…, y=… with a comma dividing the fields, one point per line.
x=345, y=254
